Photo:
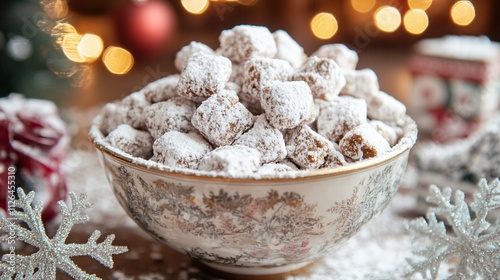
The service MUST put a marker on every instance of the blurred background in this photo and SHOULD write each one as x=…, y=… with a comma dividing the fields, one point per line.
x=87, y=52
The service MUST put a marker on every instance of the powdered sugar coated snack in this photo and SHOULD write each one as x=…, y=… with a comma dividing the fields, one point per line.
x=135, y=142
x=341, y=54
x=173, y=114
x=360, y=83
x=182, y=57
x=222, y=118
x=363, y=142
x=259, y=72
x=178, y=149
x=288, y=49
x=203, y=76
x=235, y=160
x=245, y=41
x=161, y=89
x=323, y=76
x=288, y=104
x=341, y=115
x=307, y=148
x=266, y=139
x=257, y=105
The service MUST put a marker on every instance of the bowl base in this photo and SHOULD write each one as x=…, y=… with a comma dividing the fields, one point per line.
x=260, y=273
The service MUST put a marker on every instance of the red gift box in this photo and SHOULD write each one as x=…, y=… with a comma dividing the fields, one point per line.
x=456, y=85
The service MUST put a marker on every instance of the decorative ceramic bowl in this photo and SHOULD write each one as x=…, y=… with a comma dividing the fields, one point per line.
x=254, y=226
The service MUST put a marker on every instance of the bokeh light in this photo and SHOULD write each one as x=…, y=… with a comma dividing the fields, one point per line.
x=196, y=7
x=118, y=60
x=419, y=4
x=19, y=48
x=324, y=25
x=363, y=6
x=90, y=46
x=59, y=31
x=416, y=21
x=387, y=18
x=463, y=13
x=70, y=47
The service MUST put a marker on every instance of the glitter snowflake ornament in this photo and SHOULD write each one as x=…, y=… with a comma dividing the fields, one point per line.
x=53, y=253
x=474, y=241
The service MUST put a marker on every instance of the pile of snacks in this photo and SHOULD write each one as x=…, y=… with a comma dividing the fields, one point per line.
x=257, y=105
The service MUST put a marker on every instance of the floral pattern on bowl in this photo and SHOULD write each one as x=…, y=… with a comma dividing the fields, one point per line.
x=274, y=228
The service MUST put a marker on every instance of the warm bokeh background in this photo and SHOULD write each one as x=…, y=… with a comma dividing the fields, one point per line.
x=84, y=53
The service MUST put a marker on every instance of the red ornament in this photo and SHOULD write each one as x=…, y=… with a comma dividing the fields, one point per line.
x=145, y=27
x=33, y=145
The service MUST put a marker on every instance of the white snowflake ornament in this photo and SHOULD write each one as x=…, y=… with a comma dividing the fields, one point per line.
x=52, y=252
x=473, y=239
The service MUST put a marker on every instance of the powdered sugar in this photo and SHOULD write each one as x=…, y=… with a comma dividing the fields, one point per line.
x=246, y=41
x=182, y=57
x=161, y=89
x=235, y=160
x=288, y=104
x=222, y=118
x=173, y=114
x=259, y=72
x=288, y=49
x=340, y=116
x=179, y=149
x=266, y=139
x=323, y=76
x=342, y=55
x=203, y=76
x=132, y=141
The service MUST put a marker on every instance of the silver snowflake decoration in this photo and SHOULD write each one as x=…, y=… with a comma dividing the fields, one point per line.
x=474, y=241
x=52, y=252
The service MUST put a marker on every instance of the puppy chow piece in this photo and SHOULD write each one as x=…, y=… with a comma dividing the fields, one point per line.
x=343, y=56
x=334, y=159
x=390, y=133
x=258, y=73
x=182, y=56
x=289, y=49
x=245, y=41
x=266, y=139
x=306, y=148
x=386, y=108
x=113, y=114
x=323, y=75
x=236, y=160
x=288, y=104
x=161, y=89
x=341, y=115
x=203, y=76
x=270, y=169
x=135, y=104
x=135, y=142
x=360, y=83
x=363, y=142
x=178, y=149
x=173, y=114
x=222, y=118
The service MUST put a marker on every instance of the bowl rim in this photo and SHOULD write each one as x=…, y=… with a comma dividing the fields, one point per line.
x=406, y=142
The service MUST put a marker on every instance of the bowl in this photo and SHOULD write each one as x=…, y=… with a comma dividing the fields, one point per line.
x=254, y=225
